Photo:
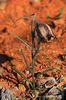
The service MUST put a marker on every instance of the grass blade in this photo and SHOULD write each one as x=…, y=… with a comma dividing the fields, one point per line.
x=22, y=40
x=58, y=16
x=18, y=72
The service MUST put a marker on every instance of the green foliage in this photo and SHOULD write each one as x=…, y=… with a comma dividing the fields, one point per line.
x=61, y=10
x=49, y=69
x=48, y=15
x=34, y=51
x=19, y=73
x=22, y=40
x=58, y=16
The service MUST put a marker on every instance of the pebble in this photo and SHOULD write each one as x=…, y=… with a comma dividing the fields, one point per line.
x=7, y=95
x=22, y=88
x=55, y=93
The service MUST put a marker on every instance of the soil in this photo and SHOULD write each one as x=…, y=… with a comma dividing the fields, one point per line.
x=48, y=55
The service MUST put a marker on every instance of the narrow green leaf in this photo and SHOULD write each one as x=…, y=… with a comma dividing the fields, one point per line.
x=61, y=10
x=58, y=16
x=48, y=15
x=26, y=62
x=18, y=72
x=21, y=39
x=49, y=69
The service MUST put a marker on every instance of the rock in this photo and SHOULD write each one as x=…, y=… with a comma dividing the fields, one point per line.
x=21, y=88
x=35, y=94
x=45, y=84
x=7, y=95
x=51, y=97
x=41, y=82
x=50, y=82
x=55, y=93
x=27, y=72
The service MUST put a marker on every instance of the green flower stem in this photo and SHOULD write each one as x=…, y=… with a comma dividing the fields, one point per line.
x=33, y=52
x=33, y=65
